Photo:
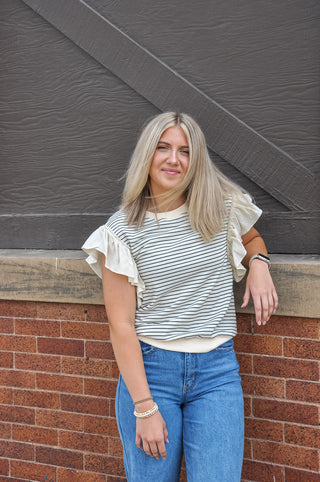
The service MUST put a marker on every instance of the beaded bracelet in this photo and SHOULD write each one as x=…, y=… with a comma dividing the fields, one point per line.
x=148, y=413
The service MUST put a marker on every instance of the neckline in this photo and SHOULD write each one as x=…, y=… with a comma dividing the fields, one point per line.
x=175, y=213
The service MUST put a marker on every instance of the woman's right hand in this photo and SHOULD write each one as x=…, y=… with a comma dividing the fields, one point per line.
x=152, y=435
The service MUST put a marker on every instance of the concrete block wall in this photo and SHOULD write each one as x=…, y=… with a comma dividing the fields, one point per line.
x=58, y=379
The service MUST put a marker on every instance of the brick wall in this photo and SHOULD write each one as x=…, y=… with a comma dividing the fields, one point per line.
x=57, y=386
x=280, y=377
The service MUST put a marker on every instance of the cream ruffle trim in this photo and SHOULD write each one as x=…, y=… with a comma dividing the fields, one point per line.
x=118, y=257
x=243, y=215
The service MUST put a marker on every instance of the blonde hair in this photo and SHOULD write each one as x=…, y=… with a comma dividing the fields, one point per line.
x=204, y=186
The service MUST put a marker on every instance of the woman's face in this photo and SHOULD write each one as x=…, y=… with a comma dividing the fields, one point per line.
x=170, y=161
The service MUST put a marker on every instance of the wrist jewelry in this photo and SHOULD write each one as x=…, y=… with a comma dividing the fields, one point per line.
x=143, y=400
x=148, y=413
x=262, y=257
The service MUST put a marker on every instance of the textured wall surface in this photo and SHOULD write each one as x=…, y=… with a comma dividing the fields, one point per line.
x=57, y=389
x=69, y=124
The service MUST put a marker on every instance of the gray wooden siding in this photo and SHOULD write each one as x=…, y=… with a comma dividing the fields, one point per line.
x=78, y=79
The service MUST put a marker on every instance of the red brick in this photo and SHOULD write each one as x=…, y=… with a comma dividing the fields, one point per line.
x=296, y=326
x=85, y=367
x=284, y=454
x=104, y=465
x=18, y=343
x=37, y=327
x=112, y=412
x=35, y=435
x=5, y=430
x=100, y=388
x=87, y=330
x=16, y=450
x=263, y=429
x=6, y=395
x=182, y=478
x=294, y=348
x=58, y=419
x=286, y=411
x=305, y=436
x=263, y=386
x=115, y=372
x=59, y=383
x=61, y=311
x=6, y=325
x=103, y=426
x=303, y=391
x=59, y=457
x=34, y=362
x=292, y=475
x=4, y=467
x=26, y=309
x=15, y=378
x=60, y=346
x=247, y=448
x=31, y=471
x=99, y=349
x=268, y=345
x=28, y=398
x=247, y=406
x=71, y=475
x=83, y=441
x=95, y=313
x=245, y=362
x=245, y=323
x=115, y=447
x=6, y=359
x=258, y=472
x=286, y=368
x=17, y=414
x=84, y=404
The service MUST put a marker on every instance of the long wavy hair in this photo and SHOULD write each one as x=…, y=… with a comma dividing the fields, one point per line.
x=205, y=187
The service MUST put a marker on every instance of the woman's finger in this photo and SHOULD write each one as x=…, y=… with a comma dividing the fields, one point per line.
x=257, y=308
x=275, y=300
x=139, y=442
x=146, y=448
x=265, y=309
x=154, y=449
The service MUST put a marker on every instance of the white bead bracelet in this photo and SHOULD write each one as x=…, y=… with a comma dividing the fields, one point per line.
x=148, y=413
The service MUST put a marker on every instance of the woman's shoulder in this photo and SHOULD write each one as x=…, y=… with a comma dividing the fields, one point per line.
x=119, y=217
x=117, y=224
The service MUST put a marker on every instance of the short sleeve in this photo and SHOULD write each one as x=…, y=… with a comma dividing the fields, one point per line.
x=118, y=257
x=243, y=215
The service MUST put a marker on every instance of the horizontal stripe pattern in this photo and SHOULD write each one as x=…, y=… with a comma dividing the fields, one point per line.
x=188, y=283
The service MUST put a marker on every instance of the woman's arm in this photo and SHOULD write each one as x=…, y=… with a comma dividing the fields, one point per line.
x=259, y=283
x=120, y=301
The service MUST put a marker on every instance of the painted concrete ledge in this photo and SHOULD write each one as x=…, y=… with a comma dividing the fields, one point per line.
x=64, y=276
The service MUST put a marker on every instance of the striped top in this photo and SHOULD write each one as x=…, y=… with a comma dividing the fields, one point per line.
x=184, y=285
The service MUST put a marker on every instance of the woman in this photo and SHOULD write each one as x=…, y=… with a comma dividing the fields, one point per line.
x=167, y=261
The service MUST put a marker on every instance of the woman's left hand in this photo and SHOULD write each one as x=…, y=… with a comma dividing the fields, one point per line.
x=260, y=286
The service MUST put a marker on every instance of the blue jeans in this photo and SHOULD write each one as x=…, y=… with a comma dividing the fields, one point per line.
x=200, y=398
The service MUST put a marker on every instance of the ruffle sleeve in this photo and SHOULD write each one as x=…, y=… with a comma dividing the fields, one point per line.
x=243, y=215
x=118, y=257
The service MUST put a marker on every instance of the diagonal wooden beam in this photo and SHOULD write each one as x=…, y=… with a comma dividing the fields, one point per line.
x=262, y=161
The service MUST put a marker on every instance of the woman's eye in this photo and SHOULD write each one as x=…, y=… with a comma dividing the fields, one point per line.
x=185, y=152
x=162, y=148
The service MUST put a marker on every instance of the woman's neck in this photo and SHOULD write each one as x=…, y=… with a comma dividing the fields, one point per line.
x=167, y=206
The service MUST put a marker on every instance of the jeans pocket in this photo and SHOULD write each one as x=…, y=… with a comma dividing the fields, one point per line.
x=146, y=348
x=227, y=346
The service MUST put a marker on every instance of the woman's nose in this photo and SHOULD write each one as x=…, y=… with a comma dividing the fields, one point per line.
x=173, y=157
